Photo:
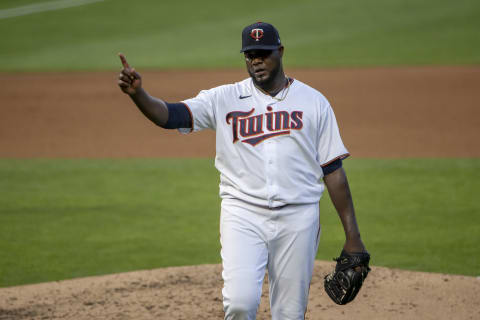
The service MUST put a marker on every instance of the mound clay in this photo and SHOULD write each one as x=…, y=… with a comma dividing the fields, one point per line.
x=382, y=112
x=195, y=293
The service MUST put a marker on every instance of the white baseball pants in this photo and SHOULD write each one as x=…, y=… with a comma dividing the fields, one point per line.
x=282, y=240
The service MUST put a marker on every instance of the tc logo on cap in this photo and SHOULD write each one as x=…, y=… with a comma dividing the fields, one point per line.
x=256, y=34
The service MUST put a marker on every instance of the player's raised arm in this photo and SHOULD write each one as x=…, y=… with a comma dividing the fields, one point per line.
x=130, y=82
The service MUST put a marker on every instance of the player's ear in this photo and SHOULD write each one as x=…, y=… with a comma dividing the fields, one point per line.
x=280, y=51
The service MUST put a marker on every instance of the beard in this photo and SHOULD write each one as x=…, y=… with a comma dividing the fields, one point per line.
x=268, y=82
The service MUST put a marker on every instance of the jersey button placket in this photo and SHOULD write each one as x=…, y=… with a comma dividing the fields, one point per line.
x=272, y=170
x=268, y=151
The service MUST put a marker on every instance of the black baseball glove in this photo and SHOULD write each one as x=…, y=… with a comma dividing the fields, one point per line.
x=343, y=284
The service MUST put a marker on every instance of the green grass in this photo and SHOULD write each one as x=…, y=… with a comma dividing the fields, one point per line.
x=62, y=219
x=9, y=4
x=69, y=218
x=417, y=214
x=198, y=34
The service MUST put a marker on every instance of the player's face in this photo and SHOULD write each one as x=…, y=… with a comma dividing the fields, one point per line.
x=264, y=66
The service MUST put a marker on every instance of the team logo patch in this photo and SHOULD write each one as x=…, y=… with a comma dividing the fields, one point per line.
x=254, y=129
x=256, y=34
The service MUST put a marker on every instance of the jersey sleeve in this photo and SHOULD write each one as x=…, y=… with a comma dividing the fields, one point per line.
x=330, y=145
x=202, y=111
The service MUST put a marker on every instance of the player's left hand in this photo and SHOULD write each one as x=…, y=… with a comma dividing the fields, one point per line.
x=343, y=284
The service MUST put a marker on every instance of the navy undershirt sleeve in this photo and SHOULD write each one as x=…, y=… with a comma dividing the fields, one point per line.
x=337, y=164
x=178, y=116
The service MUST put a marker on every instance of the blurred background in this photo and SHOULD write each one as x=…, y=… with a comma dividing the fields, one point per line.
x=88, y=186
x=85, y=34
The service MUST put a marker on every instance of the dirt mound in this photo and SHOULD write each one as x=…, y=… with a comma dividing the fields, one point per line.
x=195, y=293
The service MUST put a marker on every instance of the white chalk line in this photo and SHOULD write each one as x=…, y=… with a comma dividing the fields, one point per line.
x=41, y=7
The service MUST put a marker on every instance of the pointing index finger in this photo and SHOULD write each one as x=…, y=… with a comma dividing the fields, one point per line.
x=124, y=61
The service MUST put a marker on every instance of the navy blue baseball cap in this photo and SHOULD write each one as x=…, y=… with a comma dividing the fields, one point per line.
x=260, y=36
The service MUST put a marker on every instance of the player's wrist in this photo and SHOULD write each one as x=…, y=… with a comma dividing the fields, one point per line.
x=135, y=92
x=354, y=244
x=352, y=235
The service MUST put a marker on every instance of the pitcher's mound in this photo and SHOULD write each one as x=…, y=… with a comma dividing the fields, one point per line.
x=194, y=292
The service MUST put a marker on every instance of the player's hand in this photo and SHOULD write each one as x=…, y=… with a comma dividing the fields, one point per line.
x=354, y=245
x=129, y=80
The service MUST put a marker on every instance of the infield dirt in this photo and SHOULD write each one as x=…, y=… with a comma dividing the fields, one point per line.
x=396, y=112
x=195, y=293
x=382, y=112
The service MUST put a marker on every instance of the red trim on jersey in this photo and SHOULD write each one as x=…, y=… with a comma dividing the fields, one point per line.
x=343, y=156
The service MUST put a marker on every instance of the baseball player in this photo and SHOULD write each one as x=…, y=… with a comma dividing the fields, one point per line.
x=277, y=146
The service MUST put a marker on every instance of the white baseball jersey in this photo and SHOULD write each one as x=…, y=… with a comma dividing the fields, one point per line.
x=269, y=152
